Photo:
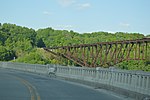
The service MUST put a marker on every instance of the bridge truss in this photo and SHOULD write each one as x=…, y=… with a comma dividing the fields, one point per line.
x=104, y=53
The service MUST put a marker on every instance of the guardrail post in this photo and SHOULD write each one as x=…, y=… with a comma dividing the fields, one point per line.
x=134, y=81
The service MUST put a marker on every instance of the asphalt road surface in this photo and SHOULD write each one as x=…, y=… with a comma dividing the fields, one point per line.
x=15, y=85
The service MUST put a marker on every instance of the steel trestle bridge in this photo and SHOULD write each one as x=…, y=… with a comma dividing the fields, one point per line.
x=104, y=53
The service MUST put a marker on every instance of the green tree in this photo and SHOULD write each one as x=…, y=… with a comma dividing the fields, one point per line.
x=6, y=55
x=40, y=43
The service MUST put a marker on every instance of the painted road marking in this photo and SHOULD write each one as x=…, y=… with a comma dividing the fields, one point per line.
x=33, y=91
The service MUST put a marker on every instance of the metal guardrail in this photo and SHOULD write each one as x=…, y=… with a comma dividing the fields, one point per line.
x=135, y=81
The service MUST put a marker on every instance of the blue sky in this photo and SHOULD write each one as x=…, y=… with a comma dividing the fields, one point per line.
x=79, y=15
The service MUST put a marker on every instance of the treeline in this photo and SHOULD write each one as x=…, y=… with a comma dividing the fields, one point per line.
x=22, y=44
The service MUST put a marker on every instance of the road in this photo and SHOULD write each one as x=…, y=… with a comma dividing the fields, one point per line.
x=15, y=85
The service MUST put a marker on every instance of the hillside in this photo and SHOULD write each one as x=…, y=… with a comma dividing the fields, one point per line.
x=22, y=44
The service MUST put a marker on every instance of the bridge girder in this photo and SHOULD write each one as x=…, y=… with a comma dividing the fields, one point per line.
x=104, y=53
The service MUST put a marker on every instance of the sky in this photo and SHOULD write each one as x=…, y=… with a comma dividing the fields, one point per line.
x=81, y=16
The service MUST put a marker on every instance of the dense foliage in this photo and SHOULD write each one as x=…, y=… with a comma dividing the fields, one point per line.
x=22, y=44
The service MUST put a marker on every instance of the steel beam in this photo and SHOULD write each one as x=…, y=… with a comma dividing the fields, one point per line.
x=104, y=53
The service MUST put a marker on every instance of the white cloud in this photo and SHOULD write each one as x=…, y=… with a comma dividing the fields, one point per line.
x=74, y=3
x=47, y=13
x=66, y=3
x=84, y=6
x=126, y=25
x=64, y=27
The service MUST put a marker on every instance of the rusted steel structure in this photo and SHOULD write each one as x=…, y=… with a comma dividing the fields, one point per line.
x=104, y=53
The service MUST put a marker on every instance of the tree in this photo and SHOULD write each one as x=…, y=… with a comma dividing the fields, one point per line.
x=40, y=43
x=6, y=55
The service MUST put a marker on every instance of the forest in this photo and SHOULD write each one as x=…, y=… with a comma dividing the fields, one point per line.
x=22, y=44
